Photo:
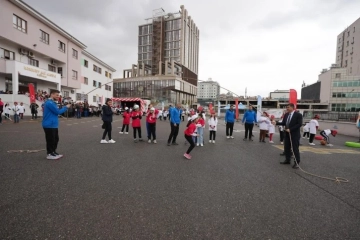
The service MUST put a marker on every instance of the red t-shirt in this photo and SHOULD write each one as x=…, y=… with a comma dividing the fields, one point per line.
x=126, y=116
x=136, y=118
x=190, y=129
x=151, y=118
x=201, y=121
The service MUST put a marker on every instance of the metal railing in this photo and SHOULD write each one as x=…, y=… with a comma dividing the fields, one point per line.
x=333, y=116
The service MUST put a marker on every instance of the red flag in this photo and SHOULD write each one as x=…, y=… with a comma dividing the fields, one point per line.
x=210, y=107
x=237, y=108
x=32, y=93
x=293, y=97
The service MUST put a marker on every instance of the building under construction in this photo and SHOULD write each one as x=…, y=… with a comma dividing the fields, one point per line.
x=168, y=60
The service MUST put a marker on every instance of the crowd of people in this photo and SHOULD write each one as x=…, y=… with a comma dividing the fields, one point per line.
x=289, y=125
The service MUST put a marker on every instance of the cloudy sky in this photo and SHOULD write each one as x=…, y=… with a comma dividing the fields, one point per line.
x=260, y=45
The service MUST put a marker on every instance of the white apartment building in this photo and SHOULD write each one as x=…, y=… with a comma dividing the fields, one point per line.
x=96, y=80
x=208, y=89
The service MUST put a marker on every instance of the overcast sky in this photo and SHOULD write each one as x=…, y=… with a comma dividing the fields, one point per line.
x=259, y=44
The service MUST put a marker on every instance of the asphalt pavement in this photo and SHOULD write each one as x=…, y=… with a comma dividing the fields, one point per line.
x=229, y=190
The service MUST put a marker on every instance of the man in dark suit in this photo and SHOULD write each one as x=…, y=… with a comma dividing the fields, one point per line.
x=292, y=121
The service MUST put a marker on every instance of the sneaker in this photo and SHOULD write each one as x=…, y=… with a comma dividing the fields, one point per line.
x=126, y=133
x=312, y=144
x=103, y=141
x=201, y=145
x=154, y=141
x=308, y=138
x=210, y=141
x=135, y=140
x=281, y=142
x=121, y=132
x=111, y=141
x=231, y=137
x=271, y=142
x=329, y=145
x=52, y=157
x=149, y=141
x=227, y=137
x=59, y=155
x=213, y=141
x=197, y=144
x=187, y=156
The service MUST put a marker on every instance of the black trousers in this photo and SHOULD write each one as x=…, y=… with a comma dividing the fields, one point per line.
x=306, y=134
x=248, y=129
x=295, y=146
x=137, y=129
x=123, y=127
x=0, y=116
x=311, y=139
x=326, y=137
x=212, y=135
x=107, y=130
x=281, y=136
x=52, y=139
x=229, y=129
x=152, y=131
x=33, y=115
x=174, y=132
x=192, y=144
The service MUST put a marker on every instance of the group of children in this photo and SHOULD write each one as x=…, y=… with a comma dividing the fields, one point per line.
x=312, y=127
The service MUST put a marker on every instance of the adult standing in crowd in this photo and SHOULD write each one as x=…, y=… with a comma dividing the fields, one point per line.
x=1, y=110
x=16, y=112
x=34, y=111
x=229, y=121
x=249, y=119
x=107, y=117
x=292, y=121
x=174, y=123
x=50, y=124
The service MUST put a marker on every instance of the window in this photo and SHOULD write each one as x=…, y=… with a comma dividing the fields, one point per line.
x=61, y=47
x=109, y=88
x=44, y=37
x=86, y=80
x=353, y=40
x=350, y=69
x=348, y=33
x=106, y=87
x=60, y=71
x=106, y=74
x=86, y=63
x=52, y=68
x=75, y=54
x=94, y=83
x=78, y=97
x=66, y=94
x=354, y=29
x=19, y=23
x=99, y=84
x=347, y=53
x=110, y=75
x=74, y=75
x=351, y=60
x=339, y=40
x=99, y=70
x=94, y=98
x=95, y=68
x=345, y=63
x=337, y=75
x=347, y=43
x=33, y=62
x=7, y=54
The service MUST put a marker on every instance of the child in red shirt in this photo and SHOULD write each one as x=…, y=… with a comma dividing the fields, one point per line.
x=136, y=116
x=151, y=117
x=126, y=121
x=189, y=133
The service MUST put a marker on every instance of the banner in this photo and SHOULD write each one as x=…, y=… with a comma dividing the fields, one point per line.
x=236, y=108
x=259, y=105
x=32, y=93
x=293, y=97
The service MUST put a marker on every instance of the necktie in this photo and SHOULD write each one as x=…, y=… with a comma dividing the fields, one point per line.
x=288, y=120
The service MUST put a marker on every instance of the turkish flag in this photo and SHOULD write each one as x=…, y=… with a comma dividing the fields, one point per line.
x=237, y=108
x=32, y=93
x=210, y=108
x=293, y=97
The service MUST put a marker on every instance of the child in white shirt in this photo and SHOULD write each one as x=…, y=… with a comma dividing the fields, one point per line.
x=213, y=121
x=306, y=130
x=263, y=122
x=271, y=129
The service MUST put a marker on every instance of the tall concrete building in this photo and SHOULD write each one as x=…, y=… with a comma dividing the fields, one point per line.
x=348, y=49
x=168, y=60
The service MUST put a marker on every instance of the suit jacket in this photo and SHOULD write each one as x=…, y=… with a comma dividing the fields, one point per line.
x=295, y=123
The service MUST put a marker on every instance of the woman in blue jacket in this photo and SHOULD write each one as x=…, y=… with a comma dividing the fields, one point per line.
x=229, y=121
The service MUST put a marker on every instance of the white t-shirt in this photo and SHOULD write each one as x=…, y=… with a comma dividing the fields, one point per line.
x=7, y=110
x=16, y=109
x=263, y=123
x=327, y=131
x=213, y=123
x=271, y=128
x=312, y=126
x=306, y=127
x=21, y=109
